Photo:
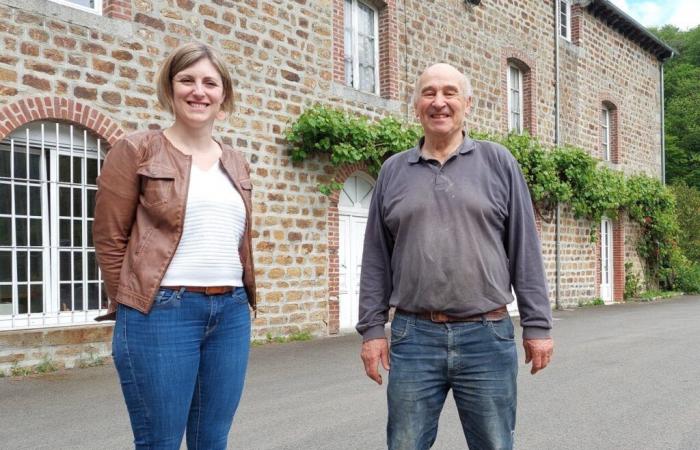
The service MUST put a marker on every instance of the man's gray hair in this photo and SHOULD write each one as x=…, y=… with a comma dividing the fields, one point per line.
x=464, y=84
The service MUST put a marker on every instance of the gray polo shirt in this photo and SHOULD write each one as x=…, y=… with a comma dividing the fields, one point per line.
x=452, y=238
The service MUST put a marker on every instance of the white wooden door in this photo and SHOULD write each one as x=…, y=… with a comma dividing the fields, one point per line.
x=353, y=207
x=606, y=261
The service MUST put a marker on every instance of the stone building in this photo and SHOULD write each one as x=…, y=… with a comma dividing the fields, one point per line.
x=75, y=75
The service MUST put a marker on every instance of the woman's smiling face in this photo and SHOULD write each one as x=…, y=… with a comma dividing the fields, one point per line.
x=197, y=94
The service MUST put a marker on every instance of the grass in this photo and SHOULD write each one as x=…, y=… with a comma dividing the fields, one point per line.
x=46, y=366
x=296, y=336
x=592, y=302
x=17, y=371
x=653, y=294
x=91, y=361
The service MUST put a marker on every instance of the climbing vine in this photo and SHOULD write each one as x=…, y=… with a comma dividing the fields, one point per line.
x=560, y=175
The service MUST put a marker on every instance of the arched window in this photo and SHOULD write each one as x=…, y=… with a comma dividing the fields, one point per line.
x=515, y=99
x=48, y=271
x=519, y=101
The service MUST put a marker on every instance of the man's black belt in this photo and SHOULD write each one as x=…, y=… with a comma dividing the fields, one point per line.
x=440, y=317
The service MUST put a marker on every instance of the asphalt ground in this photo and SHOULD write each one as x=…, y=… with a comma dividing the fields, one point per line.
x=623, y=377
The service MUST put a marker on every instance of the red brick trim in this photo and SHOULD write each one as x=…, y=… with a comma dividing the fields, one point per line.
x=333, y=223
x=388, y=46
x=30, y=109
x=619, y=260
x=117, y=9
x=576, y=24
x=526, y=64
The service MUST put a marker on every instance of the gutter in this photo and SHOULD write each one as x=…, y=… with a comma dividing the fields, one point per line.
x=557, y=142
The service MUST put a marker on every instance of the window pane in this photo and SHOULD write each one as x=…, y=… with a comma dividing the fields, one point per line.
x=64, y=233
x=64, y=168
x=64, y=201
x=5, y=266
x=77, y=202
x=86, y=3
x=92, y=171
x=93, y=296
x=35, y=233
x=77, y=233
x=36, y=268
x=20, y=199
x=90, y=243
x=77, y=169
x=65, y=266
x=77, y=266
x=34, y=166
x=5, y=199
x=65, y=297
x=35, y=200
x=91, y=202
x=22, y=300
x=5, y=231
x=4, y=162
x=78, y=297
x=20, y=162
x=92, y=266
x=21, y=232
x=22, y=258
x=36, y=294
x=348, y=42
x=5, y=299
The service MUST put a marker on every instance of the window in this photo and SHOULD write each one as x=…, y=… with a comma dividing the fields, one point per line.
x=565, y=19
x=93, y=6
x=515, y=99
x=605, y=133
x=361, y=46
x=48, y=270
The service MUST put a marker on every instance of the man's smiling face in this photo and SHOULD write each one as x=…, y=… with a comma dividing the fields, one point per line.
x=441, y=103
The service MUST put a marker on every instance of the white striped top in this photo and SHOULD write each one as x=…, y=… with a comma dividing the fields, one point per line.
x=214, y=224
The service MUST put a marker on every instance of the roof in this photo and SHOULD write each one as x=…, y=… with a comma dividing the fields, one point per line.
x=617, y=19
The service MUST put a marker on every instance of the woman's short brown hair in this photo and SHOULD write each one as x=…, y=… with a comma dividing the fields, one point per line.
x=183, y=57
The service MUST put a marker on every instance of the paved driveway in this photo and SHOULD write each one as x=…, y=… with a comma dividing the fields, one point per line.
x=623, y=377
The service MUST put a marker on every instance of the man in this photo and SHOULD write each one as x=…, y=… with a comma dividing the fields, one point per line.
x=450, y=230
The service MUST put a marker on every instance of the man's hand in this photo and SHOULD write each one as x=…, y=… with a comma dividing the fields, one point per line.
x=373, y=351
x=539, y=351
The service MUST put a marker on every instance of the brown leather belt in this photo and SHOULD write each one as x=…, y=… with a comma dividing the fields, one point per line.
x=207, y=290
x=440, y=317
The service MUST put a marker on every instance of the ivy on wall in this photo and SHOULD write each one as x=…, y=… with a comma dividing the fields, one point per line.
x=566, y=175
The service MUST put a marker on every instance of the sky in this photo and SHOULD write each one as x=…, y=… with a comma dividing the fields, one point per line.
x=684, y=14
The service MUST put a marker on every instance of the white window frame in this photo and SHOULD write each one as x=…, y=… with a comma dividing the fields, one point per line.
x=97, y=9
x=86, y=150
x=355, y=50
x=605, y=133
x=518, y=128
x=565, y=19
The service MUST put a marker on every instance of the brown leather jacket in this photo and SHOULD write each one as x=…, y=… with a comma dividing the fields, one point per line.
x=140, y=211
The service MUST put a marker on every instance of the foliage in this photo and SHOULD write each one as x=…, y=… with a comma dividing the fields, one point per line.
x=682, y=105
x=304, y=335
x=688, y=210
x=593, y=302
x=554, y=175
x=632, y=282
x=348, y=139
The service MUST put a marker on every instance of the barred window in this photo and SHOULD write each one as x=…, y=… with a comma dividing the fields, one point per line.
x=48, y=270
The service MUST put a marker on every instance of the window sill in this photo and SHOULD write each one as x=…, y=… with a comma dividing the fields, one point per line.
x=348, y=93
x=75, y=16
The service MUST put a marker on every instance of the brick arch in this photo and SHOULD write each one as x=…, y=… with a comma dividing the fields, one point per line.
x=333, y=223
x=526, y=64
x=31, y=109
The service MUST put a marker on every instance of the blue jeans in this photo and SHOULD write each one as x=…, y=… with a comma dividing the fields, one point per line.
x=182, y=366
x=477, y=360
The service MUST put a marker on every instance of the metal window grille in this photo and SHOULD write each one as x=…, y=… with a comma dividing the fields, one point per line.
x=48, y=270
x=361, y=46
x=515, y=99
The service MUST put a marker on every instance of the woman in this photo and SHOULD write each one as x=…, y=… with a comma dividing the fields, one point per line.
x=173, y=239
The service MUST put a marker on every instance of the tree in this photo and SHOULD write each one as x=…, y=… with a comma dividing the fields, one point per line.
x=682, y=105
